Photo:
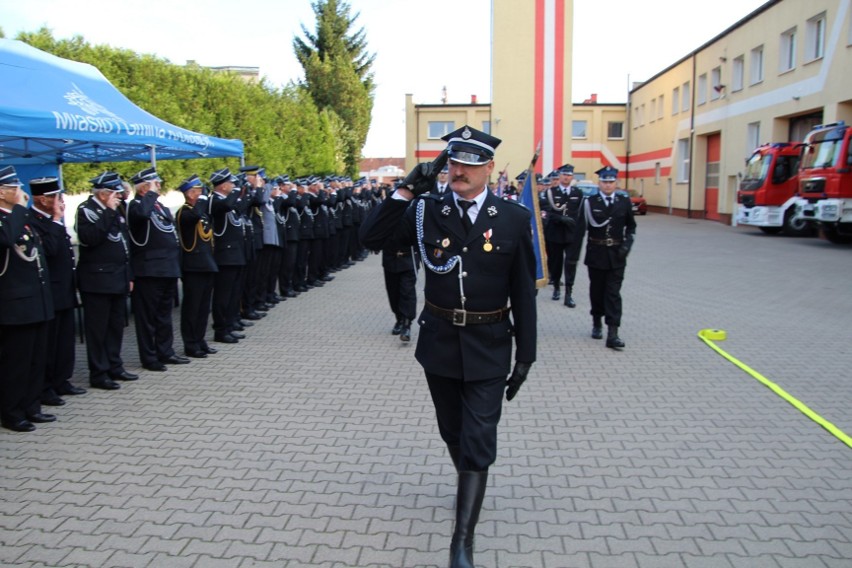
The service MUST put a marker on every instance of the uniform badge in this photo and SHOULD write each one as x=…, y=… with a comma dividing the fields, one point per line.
x=445, y=242
x=445, y=211
x=466, y=133
x=438, y=253
x=487, y=247
x=492, y=211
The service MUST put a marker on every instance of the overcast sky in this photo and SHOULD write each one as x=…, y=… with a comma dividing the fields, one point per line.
x=420, y=45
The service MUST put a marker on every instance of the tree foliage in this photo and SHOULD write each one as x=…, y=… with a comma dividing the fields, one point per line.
x=282, y=129
x=338, y=72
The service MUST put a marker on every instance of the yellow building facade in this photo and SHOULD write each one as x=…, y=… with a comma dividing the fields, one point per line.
x=683, y=136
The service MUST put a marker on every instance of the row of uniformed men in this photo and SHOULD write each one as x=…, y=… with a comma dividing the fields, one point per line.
x=234, y=248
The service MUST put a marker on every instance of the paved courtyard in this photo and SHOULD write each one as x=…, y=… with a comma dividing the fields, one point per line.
x=313, y=442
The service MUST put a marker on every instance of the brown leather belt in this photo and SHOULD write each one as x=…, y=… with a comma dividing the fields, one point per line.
x=465, y=317
x=604, y=242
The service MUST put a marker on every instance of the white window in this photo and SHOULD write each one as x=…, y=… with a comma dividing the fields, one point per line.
x=686, y=100
x=752, y=137
x=642, y=114
x=486, y=126
x=738, y=74
x=675, y=100
x=815, y=38
x=787, y=51
x=683, y=160
x=756, y=65
x=716, y=83
x=438, y=129
x=578, y=129
x=615, y=130
x=658, y=170
x=701, y=93
x=653, y=114
x=660, y=107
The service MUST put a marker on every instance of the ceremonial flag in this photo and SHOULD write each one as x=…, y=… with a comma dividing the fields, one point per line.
x=529, y=199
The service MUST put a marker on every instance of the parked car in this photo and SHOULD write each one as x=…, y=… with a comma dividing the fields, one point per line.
x=588, y=188
x=640, y=206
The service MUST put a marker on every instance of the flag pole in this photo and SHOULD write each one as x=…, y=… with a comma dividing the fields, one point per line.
x=529, y=198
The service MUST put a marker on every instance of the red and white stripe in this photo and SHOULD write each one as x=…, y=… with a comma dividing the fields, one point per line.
x=549, y=105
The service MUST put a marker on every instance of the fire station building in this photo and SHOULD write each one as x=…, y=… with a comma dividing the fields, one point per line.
x=683, y=135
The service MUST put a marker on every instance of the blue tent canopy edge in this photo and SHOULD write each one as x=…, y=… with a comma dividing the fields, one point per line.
x=55, y=111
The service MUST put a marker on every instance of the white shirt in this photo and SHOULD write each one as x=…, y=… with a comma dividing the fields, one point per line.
x=473, y=211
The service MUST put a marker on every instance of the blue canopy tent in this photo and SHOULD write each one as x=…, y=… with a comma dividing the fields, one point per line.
x=55, y=111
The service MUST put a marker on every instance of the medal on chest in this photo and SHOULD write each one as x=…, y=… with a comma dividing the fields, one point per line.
x=487, y=246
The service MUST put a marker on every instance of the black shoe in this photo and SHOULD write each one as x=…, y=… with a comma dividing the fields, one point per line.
x=612, y=339
x=68, y=388
x=123, y=376
x=327, y=278
x=209, y=350
x=245, y=324
x=261, y=309
x=54, y=400
x=237, y=335
x=597, y=332
x=175, y=360
x=397, y=328
x=291, y=293
x=224, y=338
x=405, y=331
x=569, y=301
x=41, y=418
x=19, y=425
x=556, y=295
x=196, y=354
x=105, y=384
x=254, y=316
x=158, y=367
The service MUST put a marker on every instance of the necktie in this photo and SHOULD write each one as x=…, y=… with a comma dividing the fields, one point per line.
x=465, y=219
x=608, y=201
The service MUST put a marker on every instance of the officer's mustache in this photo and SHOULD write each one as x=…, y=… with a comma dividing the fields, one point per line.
x=461, y=178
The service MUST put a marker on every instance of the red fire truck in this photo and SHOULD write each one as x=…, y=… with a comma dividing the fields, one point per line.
x=767, y=192
x=825, y=181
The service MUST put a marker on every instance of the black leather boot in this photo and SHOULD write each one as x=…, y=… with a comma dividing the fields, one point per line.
x=471, y=492
x=556, y=295
x=397, y=329
x=597, y=327
x=405, y=330
x=455, y=455
x=612, y=339
x=569, y=300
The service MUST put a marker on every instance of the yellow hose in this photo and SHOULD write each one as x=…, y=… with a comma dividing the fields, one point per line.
x=711, y=335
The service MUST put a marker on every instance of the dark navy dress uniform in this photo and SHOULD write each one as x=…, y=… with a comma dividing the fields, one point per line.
x=104, y=275
x=155, y=258
x=611, y=229
x=561, y=234
x=230, y=255
x=59, y=253
x=198, y=270
x=498, y=278
x=287, y=214
x=27, y=308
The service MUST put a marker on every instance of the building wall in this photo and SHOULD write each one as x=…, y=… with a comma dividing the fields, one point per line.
x=419, y=147
x=779, y=107
x=597, y=149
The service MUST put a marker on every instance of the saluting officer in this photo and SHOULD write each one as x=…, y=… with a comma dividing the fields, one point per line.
x=27, y=307
x=560, y=232
x=230, y=254
x=48, y=214
x=155, y=257
x=287, y=214
x=480, y=268
x=105, y=279
x=609, y=218
x=198, y=268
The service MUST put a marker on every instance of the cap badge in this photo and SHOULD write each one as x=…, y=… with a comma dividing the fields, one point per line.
x=445, y=242
x=492, y=211
x=445, y=211
x=466, y=133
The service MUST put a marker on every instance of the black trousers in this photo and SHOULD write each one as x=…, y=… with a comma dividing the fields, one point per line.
x=300, y=276
x=226, y=297
x=344, y=235
x=287, y=272
x=60, y=351
x=103, y=321
x=330, y=258
x=316, y=259
x=22, y=364
x=402, y=293
x=559, y=255
x=251, y=280
x=605, y=294
x=468, y=413
x=153, y=302
x=196, y=307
